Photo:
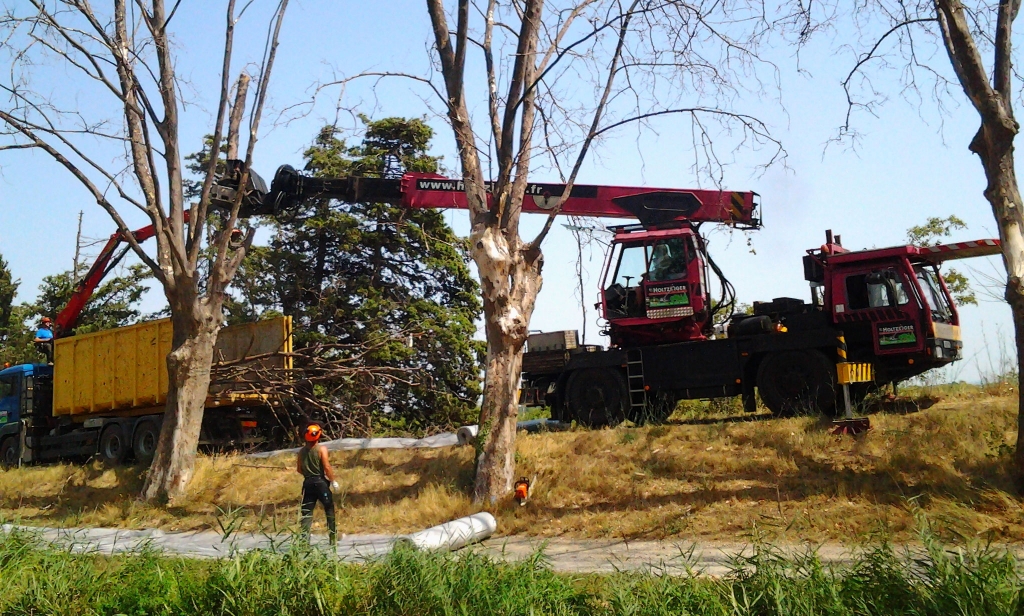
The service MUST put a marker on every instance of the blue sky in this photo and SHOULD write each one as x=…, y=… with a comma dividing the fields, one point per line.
x=909, y=164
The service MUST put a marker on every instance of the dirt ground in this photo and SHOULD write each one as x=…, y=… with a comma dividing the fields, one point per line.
x=726, y=477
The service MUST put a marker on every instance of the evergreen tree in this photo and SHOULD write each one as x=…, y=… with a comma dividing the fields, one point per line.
x=8, y=289
x=15, y=338
x=376, y=275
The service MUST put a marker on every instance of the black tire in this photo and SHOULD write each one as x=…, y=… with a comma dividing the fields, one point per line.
x=9, y=452
x=144, y=442
x=113, y=446
x=597, y=397
x=659, y=408
x=797, y=383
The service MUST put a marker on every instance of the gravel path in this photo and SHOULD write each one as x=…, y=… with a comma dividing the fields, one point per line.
x=564, y=554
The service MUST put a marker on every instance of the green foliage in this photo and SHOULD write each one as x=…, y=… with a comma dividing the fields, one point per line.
x=196, y=163
x=115, y=303
x=15, y=338
x=929, y=234
x=935, y=580
x=391, y=284
x=8, y=289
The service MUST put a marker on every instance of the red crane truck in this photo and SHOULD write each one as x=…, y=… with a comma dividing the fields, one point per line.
x=885, y=313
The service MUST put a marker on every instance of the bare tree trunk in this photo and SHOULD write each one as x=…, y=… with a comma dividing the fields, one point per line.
x=499, y=414
x=510, y=280
x=188, y=371
x=993, y=144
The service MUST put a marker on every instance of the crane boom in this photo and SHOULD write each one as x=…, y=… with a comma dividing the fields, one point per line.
x=652, y=206
x=109, y=257
x=960, y=250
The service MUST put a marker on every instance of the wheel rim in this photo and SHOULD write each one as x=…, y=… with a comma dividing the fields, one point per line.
x=112, y=447
x=148, y=443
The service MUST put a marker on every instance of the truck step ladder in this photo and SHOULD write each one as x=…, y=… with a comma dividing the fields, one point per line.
x=635, y=380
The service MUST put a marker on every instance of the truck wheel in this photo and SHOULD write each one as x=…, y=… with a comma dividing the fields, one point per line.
x=597, y=397
x=144, y=442
x=113, y=447
x=9, y=452
x=797, y=382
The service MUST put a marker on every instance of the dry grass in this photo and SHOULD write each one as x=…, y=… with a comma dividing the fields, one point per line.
x=726, y=478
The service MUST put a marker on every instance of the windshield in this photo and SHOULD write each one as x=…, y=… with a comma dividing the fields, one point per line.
x=928, y=278
x=632, y=265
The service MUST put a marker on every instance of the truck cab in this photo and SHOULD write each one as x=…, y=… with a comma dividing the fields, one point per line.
x=655, y=286
x=25, y=398
x=892, y=306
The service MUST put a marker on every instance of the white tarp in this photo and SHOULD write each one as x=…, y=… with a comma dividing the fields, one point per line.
x=445, y=439
x=455, y=534
x=465, y=436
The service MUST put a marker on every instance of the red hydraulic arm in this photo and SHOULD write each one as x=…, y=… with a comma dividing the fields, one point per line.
x=652, y=206
x=960, y=250
x=107, y=260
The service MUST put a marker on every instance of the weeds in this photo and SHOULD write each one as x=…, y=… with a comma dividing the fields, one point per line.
x=932, y=580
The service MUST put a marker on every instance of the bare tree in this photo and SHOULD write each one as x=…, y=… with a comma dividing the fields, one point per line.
x=935, y=48
x=554, y=79
x=113, y=123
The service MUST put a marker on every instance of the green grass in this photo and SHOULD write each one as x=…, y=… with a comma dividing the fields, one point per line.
x=39, y=579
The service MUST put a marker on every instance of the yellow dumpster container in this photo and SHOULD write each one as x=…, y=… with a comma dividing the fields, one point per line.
x=125, y=369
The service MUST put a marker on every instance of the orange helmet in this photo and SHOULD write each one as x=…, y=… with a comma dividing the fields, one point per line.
x=46, y=320
x=313, y=432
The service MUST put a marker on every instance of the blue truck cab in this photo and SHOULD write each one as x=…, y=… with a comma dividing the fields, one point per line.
x=25, y=392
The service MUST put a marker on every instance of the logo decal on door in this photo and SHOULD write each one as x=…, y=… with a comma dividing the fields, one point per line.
x=896, y=335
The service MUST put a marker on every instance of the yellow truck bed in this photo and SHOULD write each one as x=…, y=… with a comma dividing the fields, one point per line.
x=124, y=370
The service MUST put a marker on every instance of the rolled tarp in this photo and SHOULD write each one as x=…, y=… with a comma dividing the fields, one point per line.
x=455, y=534
x=445, y=439
x=466, y=435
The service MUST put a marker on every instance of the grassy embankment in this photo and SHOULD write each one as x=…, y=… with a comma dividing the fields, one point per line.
x=701, y=477
x=40, y=580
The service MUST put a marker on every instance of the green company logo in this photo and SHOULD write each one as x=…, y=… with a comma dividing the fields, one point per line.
x=3, y=417
x=667, y=301
x=890, y=335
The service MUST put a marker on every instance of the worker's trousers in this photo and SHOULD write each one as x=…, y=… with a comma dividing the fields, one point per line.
x=316, y=489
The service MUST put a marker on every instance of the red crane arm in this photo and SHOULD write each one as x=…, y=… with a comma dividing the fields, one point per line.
x=652, y=206
x=108, y=258
x=960, y=250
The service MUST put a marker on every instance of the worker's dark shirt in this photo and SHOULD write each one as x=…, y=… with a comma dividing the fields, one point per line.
x=310, y=462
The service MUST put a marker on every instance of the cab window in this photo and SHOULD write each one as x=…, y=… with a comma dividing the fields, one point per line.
x=873, y=290
x=632, y=265
x=8, y=386
x=928, y=278
x=668, y=260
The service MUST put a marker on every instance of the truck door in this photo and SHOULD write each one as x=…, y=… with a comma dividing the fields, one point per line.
x=10, y=399
x=880, y=304
x=623, y=296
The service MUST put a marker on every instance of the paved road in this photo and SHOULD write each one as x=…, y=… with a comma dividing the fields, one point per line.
x=564, y=554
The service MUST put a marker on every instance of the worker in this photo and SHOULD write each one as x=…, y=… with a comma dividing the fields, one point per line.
x=44, y=339
x=667, y=261
x=314, y=465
